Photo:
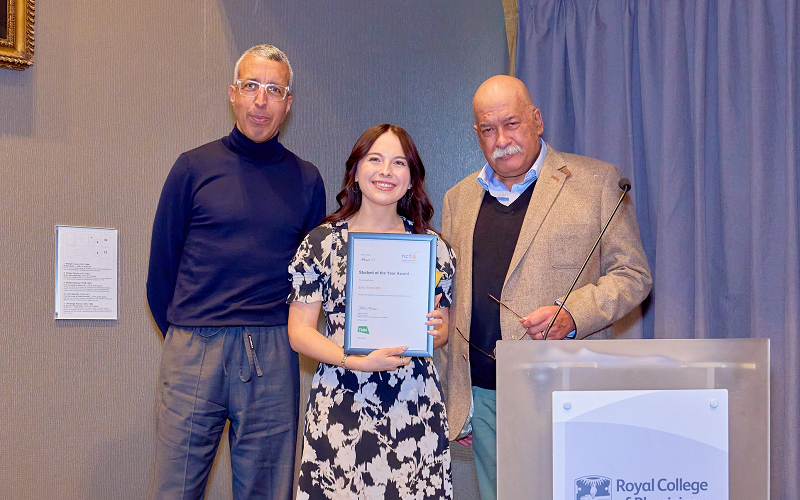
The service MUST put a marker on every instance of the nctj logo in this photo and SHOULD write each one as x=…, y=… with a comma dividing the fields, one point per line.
x=408, y=258
x=363, y=329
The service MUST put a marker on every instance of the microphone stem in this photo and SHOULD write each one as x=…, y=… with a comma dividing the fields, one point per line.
x=597, y=242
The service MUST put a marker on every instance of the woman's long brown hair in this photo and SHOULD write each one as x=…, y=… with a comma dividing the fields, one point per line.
x=414, y=205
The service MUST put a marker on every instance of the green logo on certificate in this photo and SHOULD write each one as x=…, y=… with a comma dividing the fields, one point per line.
x=363, y=329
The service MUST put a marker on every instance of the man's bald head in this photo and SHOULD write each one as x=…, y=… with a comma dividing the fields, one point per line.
x=501, y=88
x=508, y=127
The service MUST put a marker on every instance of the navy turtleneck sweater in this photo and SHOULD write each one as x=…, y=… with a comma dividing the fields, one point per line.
x=230, y=218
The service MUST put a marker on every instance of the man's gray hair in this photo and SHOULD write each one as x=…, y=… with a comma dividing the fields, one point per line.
x=265, y=51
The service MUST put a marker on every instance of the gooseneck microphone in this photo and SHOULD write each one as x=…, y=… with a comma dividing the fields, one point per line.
x=625, y=186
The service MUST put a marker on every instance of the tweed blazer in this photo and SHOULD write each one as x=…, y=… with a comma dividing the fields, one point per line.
x=572, y=199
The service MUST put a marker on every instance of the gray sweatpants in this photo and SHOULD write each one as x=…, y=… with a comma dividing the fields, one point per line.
x=248, y=375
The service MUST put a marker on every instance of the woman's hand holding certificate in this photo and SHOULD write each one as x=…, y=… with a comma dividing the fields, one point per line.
x=438, y=319
x=391, y=358
x=387, y=359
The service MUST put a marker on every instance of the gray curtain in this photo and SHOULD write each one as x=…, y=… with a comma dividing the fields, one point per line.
x=698, y=103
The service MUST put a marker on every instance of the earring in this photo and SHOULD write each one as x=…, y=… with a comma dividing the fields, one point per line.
x=355, y=188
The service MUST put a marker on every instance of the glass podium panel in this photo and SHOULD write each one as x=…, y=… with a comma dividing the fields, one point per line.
x=529, y=372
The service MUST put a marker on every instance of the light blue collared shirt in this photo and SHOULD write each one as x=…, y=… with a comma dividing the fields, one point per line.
x=499, y=190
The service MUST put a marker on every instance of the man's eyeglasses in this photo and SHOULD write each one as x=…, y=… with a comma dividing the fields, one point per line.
x=493, y=356
x=251, y=88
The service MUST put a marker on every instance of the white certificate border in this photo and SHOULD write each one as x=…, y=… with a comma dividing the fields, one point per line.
x=349, y=348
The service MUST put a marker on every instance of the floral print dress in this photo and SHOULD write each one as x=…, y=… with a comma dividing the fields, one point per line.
x=368, y=435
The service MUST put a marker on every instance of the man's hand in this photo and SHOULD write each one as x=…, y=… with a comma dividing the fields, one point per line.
x=536, y=322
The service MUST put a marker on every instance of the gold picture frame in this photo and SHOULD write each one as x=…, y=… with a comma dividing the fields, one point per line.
x=16, y=35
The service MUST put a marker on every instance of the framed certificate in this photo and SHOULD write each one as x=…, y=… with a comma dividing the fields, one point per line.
x=390, y=290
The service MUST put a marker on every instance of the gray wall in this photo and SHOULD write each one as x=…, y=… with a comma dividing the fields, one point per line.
x=87, y=135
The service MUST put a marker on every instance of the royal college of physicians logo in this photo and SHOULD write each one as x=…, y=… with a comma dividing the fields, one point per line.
x=593, y=488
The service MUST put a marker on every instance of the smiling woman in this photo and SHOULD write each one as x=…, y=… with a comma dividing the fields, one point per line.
x=375, y=424
x=16, y=34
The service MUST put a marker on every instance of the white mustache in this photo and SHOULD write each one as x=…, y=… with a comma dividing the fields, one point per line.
x=510, y=150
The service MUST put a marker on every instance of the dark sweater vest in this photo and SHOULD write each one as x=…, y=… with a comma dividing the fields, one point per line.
x=495, y=237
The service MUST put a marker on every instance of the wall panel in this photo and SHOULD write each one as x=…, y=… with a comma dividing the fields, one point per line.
x=87, y=136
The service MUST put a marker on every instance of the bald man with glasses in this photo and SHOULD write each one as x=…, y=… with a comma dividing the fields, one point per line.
x=231, y=215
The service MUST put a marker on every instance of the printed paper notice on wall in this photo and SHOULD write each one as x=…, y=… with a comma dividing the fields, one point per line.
x=86, y=273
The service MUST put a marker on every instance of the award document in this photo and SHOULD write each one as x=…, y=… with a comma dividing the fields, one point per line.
x=390, y=290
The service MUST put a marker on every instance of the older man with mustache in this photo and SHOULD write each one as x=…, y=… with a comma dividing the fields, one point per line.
x=521, y=228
